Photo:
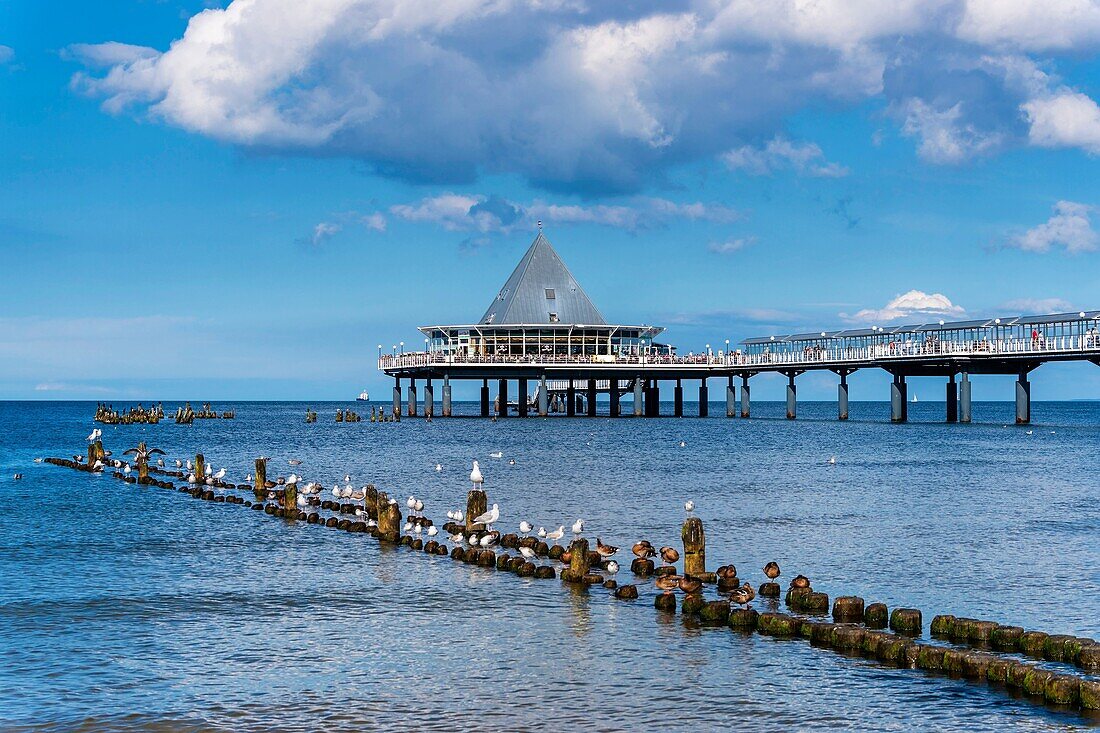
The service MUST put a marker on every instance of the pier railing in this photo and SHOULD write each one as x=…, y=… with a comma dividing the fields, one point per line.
x=1086, y=346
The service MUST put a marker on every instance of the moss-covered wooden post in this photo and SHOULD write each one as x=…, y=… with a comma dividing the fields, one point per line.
x=143, y=468
x=477, y=503
x=290, y=501
x=91, y=455
x=695, y=547
x=578, y=561
x=200, y=468
x=260, y=487
x=389, y=519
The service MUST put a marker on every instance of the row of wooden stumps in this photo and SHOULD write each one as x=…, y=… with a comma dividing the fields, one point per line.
x=856, y=627
x=348, y=416
x=107, y=415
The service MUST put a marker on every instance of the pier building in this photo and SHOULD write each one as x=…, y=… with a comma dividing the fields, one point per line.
x=543, y=331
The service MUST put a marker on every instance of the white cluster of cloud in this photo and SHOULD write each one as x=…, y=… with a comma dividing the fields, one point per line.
x=604, y=97
x=915, y=304
x=1070, y=227
x=1036, y=306
x=7, y=53
x=495, y=214
x=731, y=245
x=778, y=154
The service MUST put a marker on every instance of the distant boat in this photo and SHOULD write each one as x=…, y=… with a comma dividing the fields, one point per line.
x=914, y=399
x=363, y=396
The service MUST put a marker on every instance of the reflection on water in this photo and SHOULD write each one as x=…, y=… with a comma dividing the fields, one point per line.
x=139, y=609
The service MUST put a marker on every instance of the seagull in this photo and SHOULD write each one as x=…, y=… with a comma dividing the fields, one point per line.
x=179, y=463
x=578, y=526
x=126, y=469
x=189, y=466
x=439, y=468
x=248, y=479
x=92, y=435
x=488, y=517
x=612, y=567
x=410, y=503
x=347, y=478
x=294, y=462
x=475, y=475
x=432, y=531
x=408, y=526
x=160, y=462
x=302, y=500
x=556, y=535
x=1029, y=432
x=98, y=466
x=419, y=506
x=190, y=477
x=542, y=532
x=457, y=538
x=221, y=474
x=208, y=469
x=525, y=527
x=497, y=454
x=488, y=539
x=511, y=461
x=689, y=506
x=683, y=444
x=831, y=461
x=17, y=477
x=527, y=552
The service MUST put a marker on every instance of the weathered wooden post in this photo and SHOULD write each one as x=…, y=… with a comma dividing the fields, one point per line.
x=290, y=500
x=389, y=519
x=477, y=503
x=370, y=502
x=578, y=561
x=260, y=487
x=91, y=455
x=695, y=547
x=143, y=468
x=200, y=468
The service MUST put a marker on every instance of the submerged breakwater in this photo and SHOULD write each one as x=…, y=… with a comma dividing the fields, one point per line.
x=758, y=502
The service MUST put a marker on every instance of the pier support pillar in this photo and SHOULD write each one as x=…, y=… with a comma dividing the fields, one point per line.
x=591, y=398
x=704, y=398
x=898, y=405
x=1023, y=400
x=842, y=398
x=544, y=397
x=614, y=385
x=678, y=399
x=638, y=396
x=397, y=396
x=412, y=398
x=952, y=399
x=746, y=401
x=571, y=399
x=521, y=398
x=964, y=398
x=429, y=399
x=731, y=398
x=446, y=395
x=502, y=398
x=485, y=398
x=792, y=398
x=653, y=400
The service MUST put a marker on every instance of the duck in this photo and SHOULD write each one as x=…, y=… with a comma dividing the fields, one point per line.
x=800, y=581
x=740, y=596
x=689, y=584
x=727, y=571
x=667, y=583
x=605, y=550
x=669, y=555
x=496, y=454
x=643, y=549
x=747, y=589
x=772, y=570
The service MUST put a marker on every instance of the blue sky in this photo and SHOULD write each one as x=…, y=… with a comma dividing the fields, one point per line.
x=203, y=200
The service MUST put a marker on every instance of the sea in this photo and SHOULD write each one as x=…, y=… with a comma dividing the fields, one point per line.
x=131, y=608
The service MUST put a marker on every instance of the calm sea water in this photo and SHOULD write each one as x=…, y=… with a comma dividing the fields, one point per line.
x=133, y=609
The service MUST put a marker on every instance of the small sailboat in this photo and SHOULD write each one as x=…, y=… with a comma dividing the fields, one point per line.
x=914, y=399
x=363, y=397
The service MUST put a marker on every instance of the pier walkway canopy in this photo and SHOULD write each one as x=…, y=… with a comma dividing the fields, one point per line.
x=542, y=312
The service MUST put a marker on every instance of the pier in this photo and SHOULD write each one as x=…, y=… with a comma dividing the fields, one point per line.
x=543, y=332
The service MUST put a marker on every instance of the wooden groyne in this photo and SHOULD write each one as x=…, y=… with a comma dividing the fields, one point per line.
x=1054, y=669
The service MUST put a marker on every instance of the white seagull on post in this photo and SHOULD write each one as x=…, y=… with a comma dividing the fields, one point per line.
x=475, y=476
